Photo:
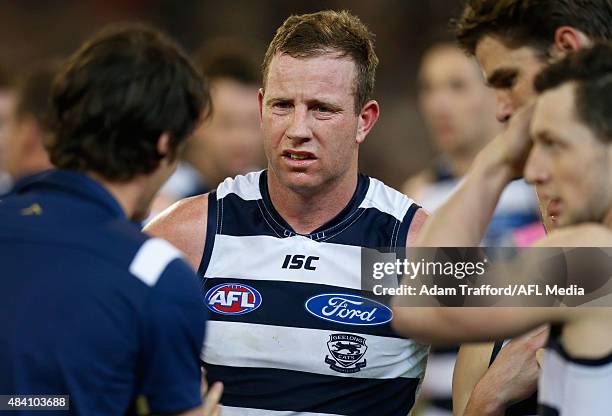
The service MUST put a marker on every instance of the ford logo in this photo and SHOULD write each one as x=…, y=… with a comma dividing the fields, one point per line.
x=348, y=309
x=232, y=299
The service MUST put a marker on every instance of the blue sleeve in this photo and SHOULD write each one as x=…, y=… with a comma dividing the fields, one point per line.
x=173, y=337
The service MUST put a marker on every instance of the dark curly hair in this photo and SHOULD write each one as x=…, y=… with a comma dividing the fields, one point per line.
x=116, y=96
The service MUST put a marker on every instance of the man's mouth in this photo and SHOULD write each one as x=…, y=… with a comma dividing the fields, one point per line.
x=298, y=155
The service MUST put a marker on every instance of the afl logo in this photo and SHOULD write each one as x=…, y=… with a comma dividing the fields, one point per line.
x=233, y=299
x=348, y=309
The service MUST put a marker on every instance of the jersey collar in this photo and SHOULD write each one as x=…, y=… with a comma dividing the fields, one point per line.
x=282, y=228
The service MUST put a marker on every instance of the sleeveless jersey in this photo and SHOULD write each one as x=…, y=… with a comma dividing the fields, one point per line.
x=290, y=333
x=573, y=386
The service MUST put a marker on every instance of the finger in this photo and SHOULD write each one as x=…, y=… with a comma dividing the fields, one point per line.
x=540, y=356
x=211, y=401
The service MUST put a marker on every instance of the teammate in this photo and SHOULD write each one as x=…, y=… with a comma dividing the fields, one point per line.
x=24, y=153
x=512, y=41
x=279, y=250
x=570, y=162
x=93, y=308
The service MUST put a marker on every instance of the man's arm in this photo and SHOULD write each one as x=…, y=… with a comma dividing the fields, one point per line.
x=418, y=221
x=472, y=363
x=184, y=226
x=511, y=378
x=455, y=325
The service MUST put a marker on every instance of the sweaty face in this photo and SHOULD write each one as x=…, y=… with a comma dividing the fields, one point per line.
x=231, y=138
x=309, y=122
x=568, y=163
x=458, y=108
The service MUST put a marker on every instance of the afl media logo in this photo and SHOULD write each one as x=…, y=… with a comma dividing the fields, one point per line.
x=233, y=299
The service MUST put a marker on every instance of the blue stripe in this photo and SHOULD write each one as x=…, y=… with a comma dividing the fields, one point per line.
x=283, y=304
x=285, y=390
x=211, y=224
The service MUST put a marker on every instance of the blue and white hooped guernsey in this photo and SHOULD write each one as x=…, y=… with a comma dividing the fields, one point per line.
x=289, y=333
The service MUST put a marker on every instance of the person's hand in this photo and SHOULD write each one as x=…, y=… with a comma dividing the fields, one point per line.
x=511, y=147
x=211, y=400
x=513, y=376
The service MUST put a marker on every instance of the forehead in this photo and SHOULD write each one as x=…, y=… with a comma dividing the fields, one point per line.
x=555, y=113
x=324, y=75
x=448, y=61
x=493, y=55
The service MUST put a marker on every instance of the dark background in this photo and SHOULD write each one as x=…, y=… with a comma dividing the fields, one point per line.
x=31, y=30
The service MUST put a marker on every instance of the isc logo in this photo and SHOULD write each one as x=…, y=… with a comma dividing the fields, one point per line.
x=233, y=299
x=299, y=261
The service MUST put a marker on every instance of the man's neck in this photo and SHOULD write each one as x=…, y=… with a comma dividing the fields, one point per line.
x=460, y=161
x=307, y=211
x=127, y=194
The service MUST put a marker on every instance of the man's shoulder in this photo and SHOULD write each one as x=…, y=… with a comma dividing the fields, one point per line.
x=387, y=199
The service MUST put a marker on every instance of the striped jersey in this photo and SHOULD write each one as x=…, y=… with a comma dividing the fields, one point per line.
x=289, y=332
x=572, y=386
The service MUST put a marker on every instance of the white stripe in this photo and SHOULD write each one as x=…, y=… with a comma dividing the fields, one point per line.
x=152, y=259
x=386, y=199
x=245, y=186
x=243, y=411
x=239, y=344
x=261, y=258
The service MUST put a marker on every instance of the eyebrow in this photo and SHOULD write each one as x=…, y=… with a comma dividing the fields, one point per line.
x=500, y=75
x=311, y=103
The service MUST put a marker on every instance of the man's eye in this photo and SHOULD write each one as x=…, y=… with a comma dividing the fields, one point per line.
x=550, y=144
x=323, y=109
x=281, y=105
x=506, y=83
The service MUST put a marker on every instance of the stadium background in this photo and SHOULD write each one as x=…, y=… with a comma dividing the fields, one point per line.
x=32, y=30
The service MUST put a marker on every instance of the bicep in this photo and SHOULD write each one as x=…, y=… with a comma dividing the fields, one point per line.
x=184, y=225
x=472, y=363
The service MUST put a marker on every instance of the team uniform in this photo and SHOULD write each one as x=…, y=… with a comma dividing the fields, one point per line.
x=290, y=333
x=572, y=386
x=91, y=307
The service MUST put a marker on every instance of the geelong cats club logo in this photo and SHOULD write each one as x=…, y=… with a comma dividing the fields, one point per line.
x=346, y=352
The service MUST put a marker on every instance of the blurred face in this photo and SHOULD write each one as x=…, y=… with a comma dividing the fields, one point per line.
x=510, y=72
x=458, y=108
x=7, y=102
x=311, y=131
x=231, y=138
x=568, y=163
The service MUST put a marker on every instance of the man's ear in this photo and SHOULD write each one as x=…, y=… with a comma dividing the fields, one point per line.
x=569, y=39
x=260, y=97
x=367, y=119
x=163, y=144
